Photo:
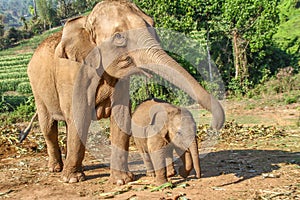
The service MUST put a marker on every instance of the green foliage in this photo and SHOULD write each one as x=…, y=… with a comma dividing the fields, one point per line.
x=10, y=103
x=16, y=109
x=141, y=89
x=213, y=22
x=285, y=84
x=24, y=88
x=288, y=33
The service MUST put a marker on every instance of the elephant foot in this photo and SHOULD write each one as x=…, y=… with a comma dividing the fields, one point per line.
x=55, y=166
x=183, y=172
x=70, y=176
x=150, y=173
x=160, y=181
x=120, y=177
x=171, y=172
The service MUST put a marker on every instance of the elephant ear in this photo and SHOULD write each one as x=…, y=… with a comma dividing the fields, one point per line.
x=86, y=83
x=145, y=17
x=158, y=121
x=149, y=21
x=75, y=42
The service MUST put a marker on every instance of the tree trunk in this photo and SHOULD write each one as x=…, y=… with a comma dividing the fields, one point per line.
x=236, y=53
x=240, y=56
x=34, y=7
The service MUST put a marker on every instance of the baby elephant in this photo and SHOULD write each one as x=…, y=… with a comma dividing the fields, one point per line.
x=158, y=128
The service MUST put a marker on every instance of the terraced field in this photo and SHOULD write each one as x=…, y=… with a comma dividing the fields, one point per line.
x=13, y=75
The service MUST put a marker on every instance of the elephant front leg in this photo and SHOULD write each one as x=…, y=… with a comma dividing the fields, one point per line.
x=119, y=172
x=170, y=164
x=148, y=164
x=158, y=157
x=159, y=163
x=73, y=171
x=50, y=131
x=185, y=170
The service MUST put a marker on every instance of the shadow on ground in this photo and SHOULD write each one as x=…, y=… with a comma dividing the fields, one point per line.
x=244, y=164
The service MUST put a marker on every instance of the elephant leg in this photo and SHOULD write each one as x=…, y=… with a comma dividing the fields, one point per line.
x=119, y=172
x=148, y=164
x=158, y=158
x=50, y=132
x=73, y=171
x=187, y=167
x=170, y=164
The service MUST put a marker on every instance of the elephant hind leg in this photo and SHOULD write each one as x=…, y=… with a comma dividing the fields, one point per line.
x=50, y=131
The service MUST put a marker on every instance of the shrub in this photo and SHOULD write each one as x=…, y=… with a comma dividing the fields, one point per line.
x=24, y=88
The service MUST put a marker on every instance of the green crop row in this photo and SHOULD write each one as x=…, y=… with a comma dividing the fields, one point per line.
x=18, y=57
x=24, y=88
x=13, y=75
x=11, y=84
x=17, y=68
x=12, y=63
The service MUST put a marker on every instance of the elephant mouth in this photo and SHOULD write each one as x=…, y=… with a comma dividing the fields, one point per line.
x=124, y=67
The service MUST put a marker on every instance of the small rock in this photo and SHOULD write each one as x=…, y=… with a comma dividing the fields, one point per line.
x=270, y=175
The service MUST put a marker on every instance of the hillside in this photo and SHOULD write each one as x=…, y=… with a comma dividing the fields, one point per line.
x=13, y=10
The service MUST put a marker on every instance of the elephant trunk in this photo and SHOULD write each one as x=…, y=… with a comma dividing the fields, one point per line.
x=159, y=62
x=195, y=157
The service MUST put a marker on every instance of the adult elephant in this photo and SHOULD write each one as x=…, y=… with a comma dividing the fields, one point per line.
x=78, y=71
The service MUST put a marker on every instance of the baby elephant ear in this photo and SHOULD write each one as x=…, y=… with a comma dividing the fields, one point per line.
x=158, y=120
x=85, y=86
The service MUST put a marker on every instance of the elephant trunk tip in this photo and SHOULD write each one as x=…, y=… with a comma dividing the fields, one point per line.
x=218, y=115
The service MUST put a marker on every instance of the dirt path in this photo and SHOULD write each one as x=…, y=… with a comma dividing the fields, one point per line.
x=250, y=169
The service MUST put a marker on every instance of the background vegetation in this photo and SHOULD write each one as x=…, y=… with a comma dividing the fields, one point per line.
x=254, y=44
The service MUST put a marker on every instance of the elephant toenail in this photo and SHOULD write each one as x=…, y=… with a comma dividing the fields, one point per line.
x=73, y=180
x=120, y=182
x=65, y=180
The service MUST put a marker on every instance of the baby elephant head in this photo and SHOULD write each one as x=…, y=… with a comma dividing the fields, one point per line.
x=182, y=131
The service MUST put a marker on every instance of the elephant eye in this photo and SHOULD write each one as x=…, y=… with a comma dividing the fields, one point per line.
x=120, y=39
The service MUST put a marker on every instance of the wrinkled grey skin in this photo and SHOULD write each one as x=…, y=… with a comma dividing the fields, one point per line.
x=158, y=128
x=76, y=77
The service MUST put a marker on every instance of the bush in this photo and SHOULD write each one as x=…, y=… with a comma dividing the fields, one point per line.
x=24, y=88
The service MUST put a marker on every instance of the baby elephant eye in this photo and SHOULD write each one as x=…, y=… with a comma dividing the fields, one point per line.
x=120, y=39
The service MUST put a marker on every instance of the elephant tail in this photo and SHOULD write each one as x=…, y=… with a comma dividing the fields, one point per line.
x=23, y=133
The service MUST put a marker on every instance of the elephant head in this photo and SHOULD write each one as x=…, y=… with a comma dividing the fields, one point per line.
x=182, y=129
x=123, y=34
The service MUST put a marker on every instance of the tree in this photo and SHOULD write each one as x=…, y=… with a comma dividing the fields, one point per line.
x=288, y=34
x=47, y=12
x=250, y=25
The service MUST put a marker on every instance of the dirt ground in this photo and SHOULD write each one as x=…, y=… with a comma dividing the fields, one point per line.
x=261, y=168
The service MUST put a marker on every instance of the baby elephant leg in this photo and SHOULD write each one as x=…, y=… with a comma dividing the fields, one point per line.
x=158, y=158
x=170, y=164
x=148, y=164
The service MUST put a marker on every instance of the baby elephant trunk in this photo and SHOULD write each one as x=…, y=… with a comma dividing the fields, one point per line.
x=190, y=160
